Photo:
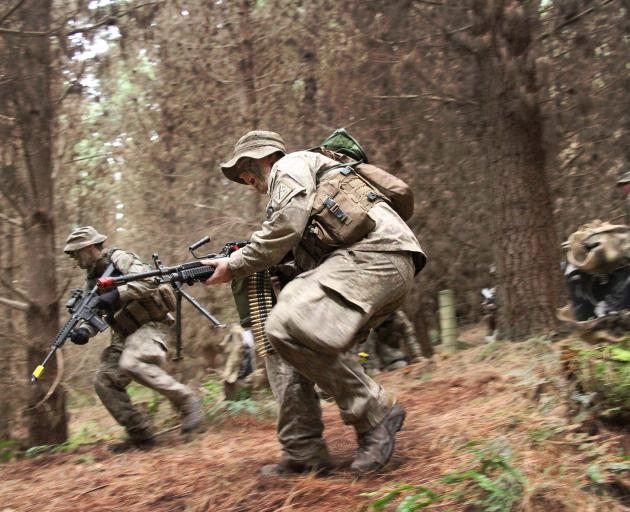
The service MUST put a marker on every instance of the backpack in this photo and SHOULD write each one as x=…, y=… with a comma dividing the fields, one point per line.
x=345, y=149
x=599, y=247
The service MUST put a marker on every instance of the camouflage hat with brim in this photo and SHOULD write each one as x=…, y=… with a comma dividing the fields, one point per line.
x=257, y=144
x=82, y=237
x=624, y=179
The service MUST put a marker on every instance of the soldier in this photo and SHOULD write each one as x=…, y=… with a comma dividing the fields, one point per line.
x=240, y=362
x=392, y=345
x=623, y=184
x=139, y=315
x=323, y=312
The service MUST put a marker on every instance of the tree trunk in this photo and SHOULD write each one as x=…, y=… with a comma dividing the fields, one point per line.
x=7, y=344
x=46, y=423
x=526, y=250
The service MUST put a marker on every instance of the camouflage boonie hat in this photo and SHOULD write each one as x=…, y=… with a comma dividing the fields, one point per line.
x=257, y=144
x=624, y=179
x=82, y=237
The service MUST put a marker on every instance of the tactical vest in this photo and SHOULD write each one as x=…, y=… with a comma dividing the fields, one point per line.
x=154, y=306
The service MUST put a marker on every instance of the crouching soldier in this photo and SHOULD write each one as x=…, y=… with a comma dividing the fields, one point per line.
x=138, y=314
x=392, y=345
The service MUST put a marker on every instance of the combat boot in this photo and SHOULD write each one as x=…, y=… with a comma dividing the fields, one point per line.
x=288, y=467
x=192, y=415
x=132, y=444
x=377, y=445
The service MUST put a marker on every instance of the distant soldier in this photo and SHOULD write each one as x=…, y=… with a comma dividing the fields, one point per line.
x=240, y=362
x=393, y=344
x=623, y=184
x=138, y=314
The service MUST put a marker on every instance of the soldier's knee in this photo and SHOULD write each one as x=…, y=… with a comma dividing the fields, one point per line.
x=277, y=323
x=102, y=383
x=127, y=363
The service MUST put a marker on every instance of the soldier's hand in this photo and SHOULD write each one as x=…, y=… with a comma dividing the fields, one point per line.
x=80, y=336
x=222, y=272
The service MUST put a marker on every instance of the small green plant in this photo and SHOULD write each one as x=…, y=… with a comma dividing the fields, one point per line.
x=8, y=447
x=418, y=497
x=89, y=433
x=494, y=486
x=212, y=391
x=497, y=484
x=234, y=408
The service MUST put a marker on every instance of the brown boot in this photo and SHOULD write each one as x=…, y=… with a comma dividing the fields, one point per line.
x=377, y=445
x=192, y=415
x=287, y=467
x=132, y=444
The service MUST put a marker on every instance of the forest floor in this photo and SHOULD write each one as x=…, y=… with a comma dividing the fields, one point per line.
x=487, y=429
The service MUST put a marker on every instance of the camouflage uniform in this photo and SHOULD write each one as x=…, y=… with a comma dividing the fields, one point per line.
x=326, y=310
x=137, y=355
x=392, y=344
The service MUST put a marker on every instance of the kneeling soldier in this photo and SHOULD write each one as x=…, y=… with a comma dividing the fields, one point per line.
x=139, y=315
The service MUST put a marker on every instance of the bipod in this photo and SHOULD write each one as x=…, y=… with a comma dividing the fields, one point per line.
x=179, y=293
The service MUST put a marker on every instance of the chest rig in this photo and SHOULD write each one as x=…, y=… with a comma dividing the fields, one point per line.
x=154, y=305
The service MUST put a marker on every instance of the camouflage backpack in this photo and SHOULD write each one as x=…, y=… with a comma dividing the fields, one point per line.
x=599, y=247
x=344, y=148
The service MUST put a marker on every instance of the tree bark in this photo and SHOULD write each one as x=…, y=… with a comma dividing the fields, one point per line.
x=46, y=423
x=526, y=250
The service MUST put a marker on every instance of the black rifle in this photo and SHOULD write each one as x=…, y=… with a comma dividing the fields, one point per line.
x=82, y=309
x=187, y=273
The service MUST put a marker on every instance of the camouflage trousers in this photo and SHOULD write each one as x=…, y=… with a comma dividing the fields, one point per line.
x=319, y=317
x=139, y=357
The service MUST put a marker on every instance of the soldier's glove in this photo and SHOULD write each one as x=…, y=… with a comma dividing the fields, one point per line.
x=80, y=336
x=108, y=301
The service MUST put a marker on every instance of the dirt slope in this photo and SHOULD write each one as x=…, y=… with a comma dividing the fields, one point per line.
x=481, y=394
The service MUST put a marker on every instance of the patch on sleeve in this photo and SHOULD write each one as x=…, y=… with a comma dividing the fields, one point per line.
x=283, y=191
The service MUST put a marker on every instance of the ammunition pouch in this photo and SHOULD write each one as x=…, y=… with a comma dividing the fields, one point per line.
x=340, y=214
x=153, y=307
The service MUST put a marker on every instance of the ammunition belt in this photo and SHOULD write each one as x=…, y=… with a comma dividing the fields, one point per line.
x=260, y=295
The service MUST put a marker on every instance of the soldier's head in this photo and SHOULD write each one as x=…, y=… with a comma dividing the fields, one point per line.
x=254, y=156
x=623, y=184
x=84, y=245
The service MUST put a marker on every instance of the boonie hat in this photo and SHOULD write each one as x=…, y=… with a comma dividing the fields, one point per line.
x=624, y=178
x=256, y=144
x=82, y=237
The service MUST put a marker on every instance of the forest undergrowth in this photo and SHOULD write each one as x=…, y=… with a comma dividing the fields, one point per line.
x=487, y=429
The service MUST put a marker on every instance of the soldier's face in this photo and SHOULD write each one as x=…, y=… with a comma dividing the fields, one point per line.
x=624, y=190
x=255, y=182
x=84, y=257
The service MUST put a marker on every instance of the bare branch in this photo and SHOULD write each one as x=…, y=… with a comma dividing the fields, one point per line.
x=108, y=20
x=14, y=304
x=24, y=33
x=16, y=291
x=574, y=19
x=5, y=17
x=10, y=220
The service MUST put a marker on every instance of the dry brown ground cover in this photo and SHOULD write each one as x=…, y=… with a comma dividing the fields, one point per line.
x=505, y=398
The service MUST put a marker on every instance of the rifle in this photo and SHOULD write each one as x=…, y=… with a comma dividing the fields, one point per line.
x=82, y=309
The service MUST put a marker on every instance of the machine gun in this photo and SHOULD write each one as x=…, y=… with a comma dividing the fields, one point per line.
x=186, y=273
x=82, y=308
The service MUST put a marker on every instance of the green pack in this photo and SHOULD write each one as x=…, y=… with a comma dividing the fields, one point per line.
x=340, y=141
